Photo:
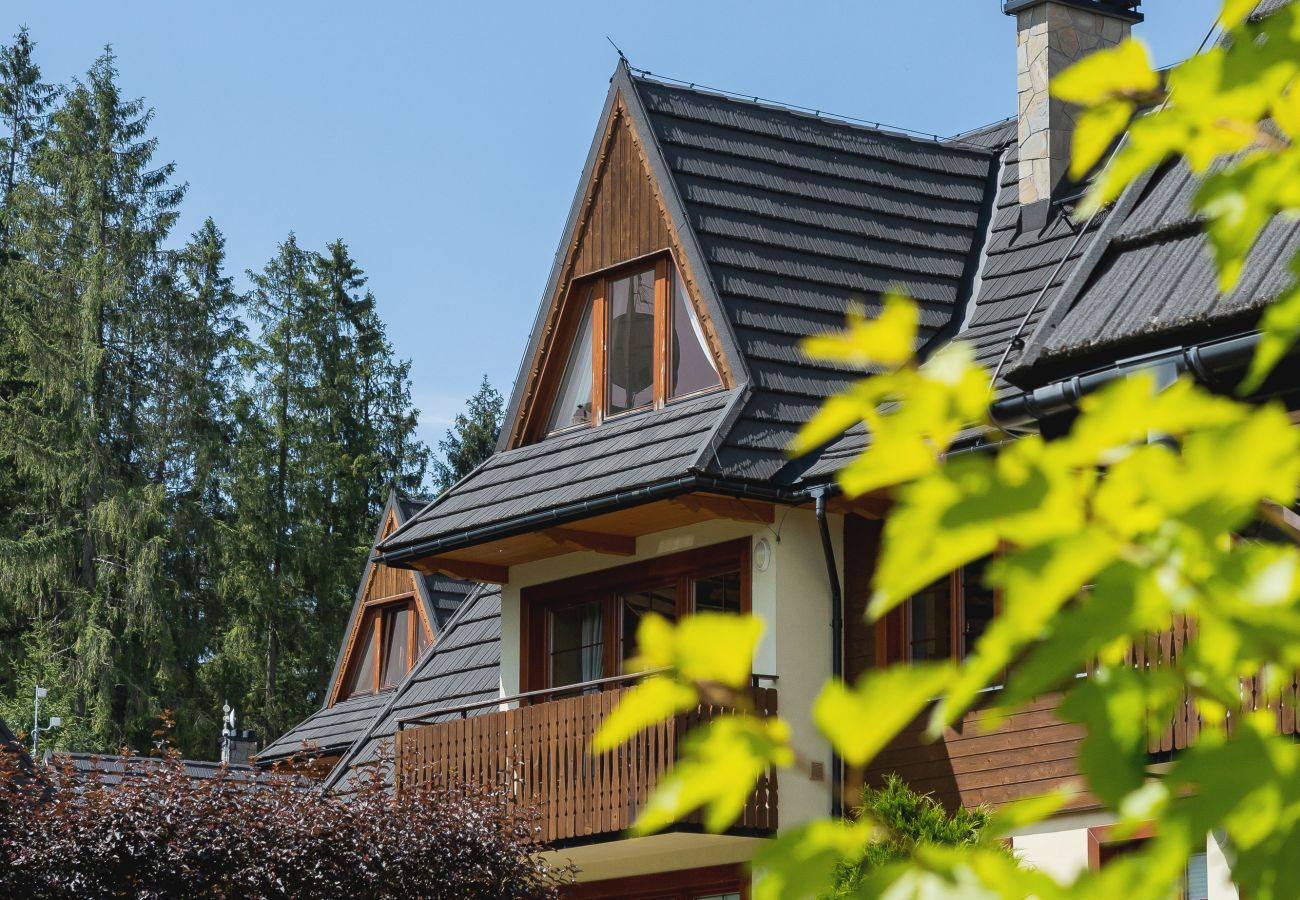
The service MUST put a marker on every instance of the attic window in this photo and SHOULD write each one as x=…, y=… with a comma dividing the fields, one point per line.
x=637, y=345
x=390, y=641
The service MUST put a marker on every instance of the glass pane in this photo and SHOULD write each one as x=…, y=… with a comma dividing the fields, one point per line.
x=631, y=342
x=1198, y=878
x=396, y=633
x=718, y=593
x=691, y=367
x=421, y=640
x=577, y=644
x=573, y=402
x=661, y=600
x=977, y=607
x=363, y=682
x=930, y=618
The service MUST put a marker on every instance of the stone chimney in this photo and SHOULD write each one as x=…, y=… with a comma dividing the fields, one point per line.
x=237, y=747
x=1051, y=35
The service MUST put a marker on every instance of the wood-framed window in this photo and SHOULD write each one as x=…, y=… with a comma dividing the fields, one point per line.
x=390, y=640
x=943, y=621
x=634, y=343
x=1104, y=846
x=583, y=629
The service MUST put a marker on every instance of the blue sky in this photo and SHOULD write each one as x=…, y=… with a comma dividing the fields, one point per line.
x=444, y=141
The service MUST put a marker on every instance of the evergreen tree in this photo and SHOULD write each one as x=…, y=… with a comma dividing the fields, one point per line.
x=324, y=427
x=472, y=437
x=82, y=556
x=24, y=99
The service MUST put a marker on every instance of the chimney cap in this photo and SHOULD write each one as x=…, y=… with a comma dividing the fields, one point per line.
x=1123, y=9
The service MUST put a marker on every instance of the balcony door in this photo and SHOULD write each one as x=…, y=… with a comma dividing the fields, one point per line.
x=581, y=631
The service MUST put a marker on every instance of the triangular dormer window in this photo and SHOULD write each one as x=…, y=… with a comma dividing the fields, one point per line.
x=392, y=638
x=637, y=344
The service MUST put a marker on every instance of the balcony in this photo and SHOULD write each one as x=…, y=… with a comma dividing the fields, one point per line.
x=1035, y=750
x=537, y=753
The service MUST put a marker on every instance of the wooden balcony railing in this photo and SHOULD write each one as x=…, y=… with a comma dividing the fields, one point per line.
x=1164, y=648
x=538, y=755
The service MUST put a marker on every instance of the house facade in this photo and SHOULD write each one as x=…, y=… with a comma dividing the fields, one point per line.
x=643, y=464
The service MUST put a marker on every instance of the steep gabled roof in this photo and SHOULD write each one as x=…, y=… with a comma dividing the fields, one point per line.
x=464, y=667
x=784, y=218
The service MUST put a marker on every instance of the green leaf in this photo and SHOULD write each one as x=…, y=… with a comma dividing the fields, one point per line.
x=1124, y=71
x=1279, y=327
x=1235, y=11
x=1095, y=132
x=887, y=340
x=1118, y=705
x=860, y=721
x=1035, y=584
x=652, y=700
x=706, y=647
x=719, y=765
x=801, y=862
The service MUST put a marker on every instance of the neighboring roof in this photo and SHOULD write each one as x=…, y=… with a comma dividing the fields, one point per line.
x=464, y=667
x=329, y=730
x=1152, y=282
x=332, y=729
x=111, y=769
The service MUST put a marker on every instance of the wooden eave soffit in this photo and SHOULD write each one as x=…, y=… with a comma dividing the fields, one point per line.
x=462, y=568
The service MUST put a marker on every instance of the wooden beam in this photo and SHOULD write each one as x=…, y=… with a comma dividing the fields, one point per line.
x=462, y=568
x=871, y=506
x=1284, y=519
x=615, y=544
x=729, y=508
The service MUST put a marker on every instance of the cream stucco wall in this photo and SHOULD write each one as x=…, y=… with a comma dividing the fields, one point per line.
x=1059, y=847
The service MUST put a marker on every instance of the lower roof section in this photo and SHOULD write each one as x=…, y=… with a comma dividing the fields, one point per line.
x=328, y=731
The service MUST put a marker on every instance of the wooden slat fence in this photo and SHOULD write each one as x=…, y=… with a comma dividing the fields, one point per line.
x=538, y=755
x=1165, y=648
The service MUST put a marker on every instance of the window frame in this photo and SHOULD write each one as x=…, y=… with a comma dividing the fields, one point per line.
x=596, y=284
x=1105, y=844
x=374, y=611
x=538, y=602
x=894, y=632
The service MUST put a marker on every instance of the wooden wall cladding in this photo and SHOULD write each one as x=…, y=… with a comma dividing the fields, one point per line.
x=1032, y=752
x=624, y=220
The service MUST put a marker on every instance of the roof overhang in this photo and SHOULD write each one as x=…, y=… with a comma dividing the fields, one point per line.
x=609, y=525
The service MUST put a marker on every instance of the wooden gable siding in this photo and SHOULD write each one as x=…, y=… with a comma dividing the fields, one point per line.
x=624, y=219
x=621, y=217
x=382, y=583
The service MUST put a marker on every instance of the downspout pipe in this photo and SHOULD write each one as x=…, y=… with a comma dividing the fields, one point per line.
x=837, y=639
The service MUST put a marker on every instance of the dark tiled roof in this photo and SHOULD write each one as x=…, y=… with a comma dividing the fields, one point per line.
x=464, y=667
x=630, y=452
x=1018, y=263
x=1154, y=283
x=799, y=215
x=110, y=769
x=329, y=730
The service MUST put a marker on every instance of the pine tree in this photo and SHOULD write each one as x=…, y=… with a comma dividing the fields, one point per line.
x=472, y=437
